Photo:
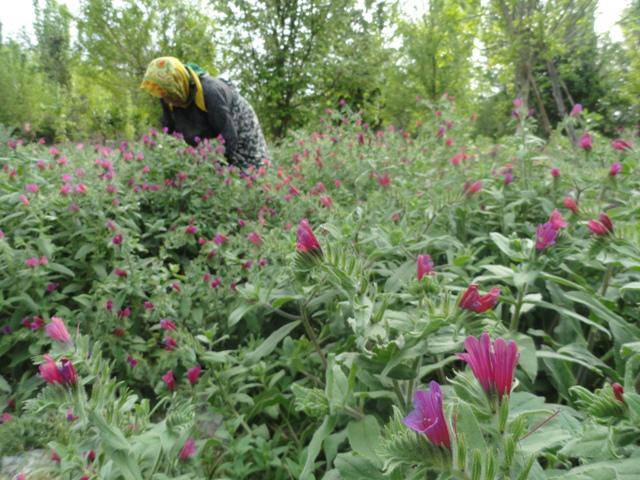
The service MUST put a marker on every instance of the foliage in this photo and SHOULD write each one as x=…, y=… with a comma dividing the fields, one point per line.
x=160, y=259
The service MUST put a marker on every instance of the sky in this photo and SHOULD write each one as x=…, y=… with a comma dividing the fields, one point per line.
x=18, y=14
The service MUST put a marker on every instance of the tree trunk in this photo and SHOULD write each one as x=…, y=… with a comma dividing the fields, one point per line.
x=556, y=90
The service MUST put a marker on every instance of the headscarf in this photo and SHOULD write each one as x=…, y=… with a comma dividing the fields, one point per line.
x=169, y=76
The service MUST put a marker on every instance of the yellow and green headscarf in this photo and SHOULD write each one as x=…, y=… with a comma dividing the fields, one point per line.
x=169, y=77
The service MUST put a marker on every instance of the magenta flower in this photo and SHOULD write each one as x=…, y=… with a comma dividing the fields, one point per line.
x=555, y=172
x=216, y=282
x=57, y=330
x=384, y=180
x=132, y=361
x=32, y=187
x=428, y=416
x=169, y=343
x=586, y=142
x=169, y=380
x=24, y=200
x=545, y=235
x=193, y=374
x=472, y=300
x=191, y=230
x=425, y=266
x=493, y=365
x=508, y=178
x=307, y=241
x=219, y=239
x=117, y=239
x=188, y=449
x=615, y=169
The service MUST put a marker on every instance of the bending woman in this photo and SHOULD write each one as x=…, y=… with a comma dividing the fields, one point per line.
x=196, y=104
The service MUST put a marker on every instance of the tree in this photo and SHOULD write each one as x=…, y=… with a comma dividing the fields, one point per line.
x=278, y=49
x=435, y=57
x=51, y=28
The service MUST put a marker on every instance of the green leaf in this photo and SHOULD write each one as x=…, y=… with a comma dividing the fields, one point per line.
x=271, y=342
x=352, y=467
x=56, y=267
x=364, y=437
x=315, y=445
x=238, y=313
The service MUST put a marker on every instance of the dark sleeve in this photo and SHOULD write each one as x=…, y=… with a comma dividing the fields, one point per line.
x=167, y=118
x=218, y=97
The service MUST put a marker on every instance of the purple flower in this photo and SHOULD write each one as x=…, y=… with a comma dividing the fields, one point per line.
x=493, y=365
x=188, y=449
x=586, y=142
x=615, y=169
x=545, y=235
x=428, y=417
x=576, y=110
x=425, y=266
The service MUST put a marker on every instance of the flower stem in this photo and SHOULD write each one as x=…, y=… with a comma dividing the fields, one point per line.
x=515, y=317
x=312, y=335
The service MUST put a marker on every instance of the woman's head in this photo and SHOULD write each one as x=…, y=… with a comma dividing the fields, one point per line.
x=168, y=78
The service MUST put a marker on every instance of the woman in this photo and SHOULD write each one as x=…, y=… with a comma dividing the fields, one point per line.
x=198, y=105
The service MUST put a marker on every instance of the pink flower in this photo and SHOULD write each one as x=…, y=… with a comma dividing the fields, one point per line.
x=169, y=343
x=32, y=262
x=306, y=240
x=216, y=282
x=545, y=235
x=148, y=305
x=615, y=169
x=425, y=266
x=117, y=239
x=472, y=300
x=1, y=234
x=576, y=110
x=193, y=374
x=81, y=188
x=384, y=180
x=63, y=375
x=219, y=239
x=326, y=201
x=602, y=226
x=570, y=204
x=471, y=188
x=555, y=172
x=586, y=142
x=24, y=200
x=43, y=260
x=508, y=178
x=428, y=416
x=188, y=449
x=618, y=392
x=493, y=365
x=49, y=370
x=120, y=272
x=32, y=187
x=132, y=361
x=167, y=324
x=556, y=220
x=620, y=144
x=56, y=330
x=169, y=380
x=254, y=237
x=518, y=102
x=191, y=230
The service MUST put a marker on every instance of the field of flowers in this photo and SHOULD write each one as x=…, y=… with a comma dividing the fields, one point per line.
x=371, y=305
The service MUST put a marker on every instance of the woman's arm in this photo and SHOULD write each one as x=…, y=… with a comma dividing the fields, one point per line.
x=167, y=119
x=218, y=100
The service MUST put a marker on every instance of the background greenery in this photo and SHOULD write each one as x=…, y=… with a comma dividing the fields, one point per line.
x=292, y=59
